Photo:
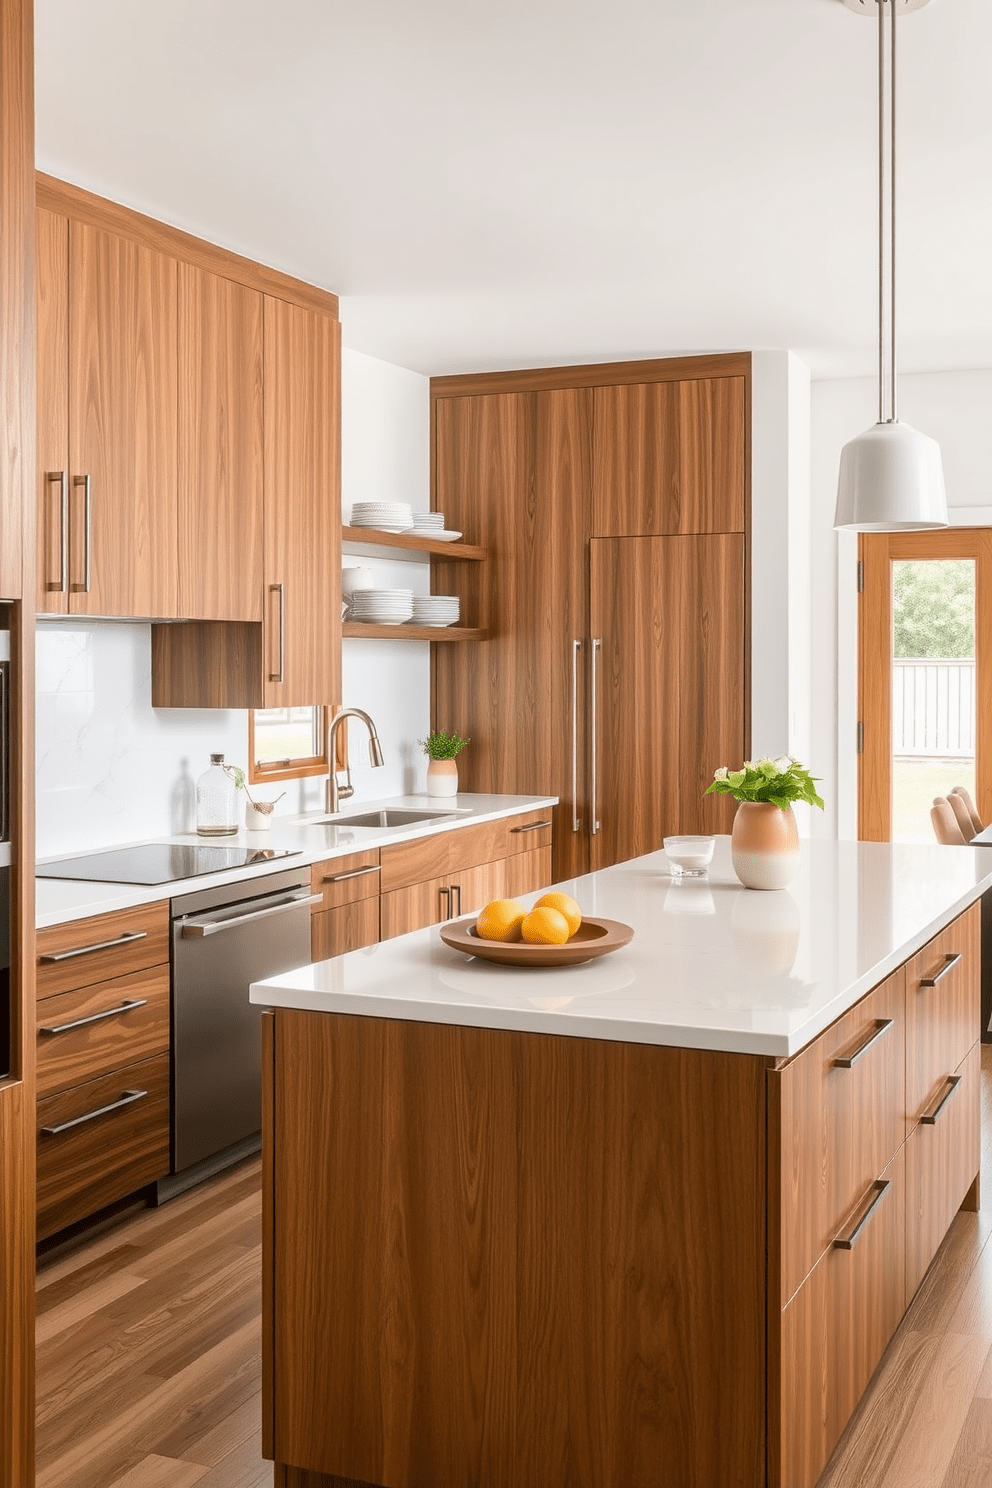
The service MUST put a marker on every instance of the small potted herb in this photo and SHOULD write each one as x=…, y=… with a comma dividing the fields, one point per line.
x=442, y=772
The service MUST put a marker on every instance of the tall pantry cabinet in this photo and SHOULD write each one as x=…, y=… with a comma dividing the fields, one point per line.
x=614, y=503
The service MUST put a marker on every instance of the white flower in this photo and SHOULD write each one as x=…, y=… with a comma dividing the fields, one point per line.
x=720, y=774
x=749, y=764
x=783, y=764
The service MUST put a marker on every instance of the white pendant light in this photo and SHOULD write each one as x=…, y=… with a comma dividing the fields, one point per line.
x=891, y=477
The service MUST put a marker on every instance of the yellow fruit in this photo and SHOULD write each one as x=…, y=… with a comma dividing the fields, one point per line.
x=565, y=905
x=500, y=920
x=545, y=927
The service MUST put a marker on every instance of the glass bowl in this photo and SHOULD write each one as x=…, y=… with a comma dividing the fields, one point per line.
x=689, y=857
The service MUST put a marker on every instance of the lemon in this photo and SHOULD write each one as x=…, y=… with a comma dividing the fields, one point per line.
x=565, y=905
x=500, y=920
x=545, y=927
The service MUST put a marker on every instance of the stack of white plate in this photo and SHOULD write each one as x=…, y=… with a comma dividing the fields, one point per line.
x=381, y=606
x=436, y=609
x=427, y=524
x=387, y=516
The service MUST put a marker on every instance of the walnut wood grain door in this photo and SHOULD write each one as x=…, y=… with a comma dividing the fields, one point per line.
x=667, y=699
x=220, y=448
x=52, y=304
x=123, y=400
x=302, y=522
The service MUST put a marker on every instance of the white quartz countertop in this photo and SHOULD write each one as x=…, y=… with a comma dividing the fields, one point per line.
x=58, y=901
x=712, y=965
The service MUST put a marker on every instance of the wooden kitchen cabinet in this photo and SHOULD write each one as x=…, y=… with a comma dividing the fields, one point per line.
x=347, y=917
x=107, y=422
x=434, y=900
x=103, y=1048
x=646, y=465
x=221, y=470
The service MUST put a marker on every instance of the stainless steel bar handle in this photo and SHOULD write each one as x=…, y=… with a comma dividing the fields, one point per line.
x=953, y=1081
x=444, y=903
x=880, y=1188
x=125, y=1007
x=456, y=889
x=127, y=1099
x=531, y=827
x=597, y=645
x=576, y=822
x=280, y=676
x=197, y=929
x=84, y=481
x=51, y=476
x=950, y=960
x=882, y=1026
x=98, y=945
x=355, y=873
x=4, y=755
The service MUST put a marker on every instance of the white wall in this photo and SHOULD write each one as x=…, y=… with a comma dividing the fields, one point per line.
x=953, y=407
x=112, y=769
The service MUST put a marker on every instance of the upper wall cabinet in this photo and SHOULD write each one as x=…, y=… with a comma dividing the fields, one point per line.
x=220, y=447
x=669, y=457
x=108, y=417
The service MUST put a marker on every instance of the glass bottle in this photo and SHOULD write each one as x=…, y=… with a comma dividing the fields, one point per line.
x=216, y=801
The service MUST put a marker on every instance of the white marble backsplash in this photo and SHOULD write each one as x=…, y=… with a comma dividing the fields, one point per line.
x=110, y=767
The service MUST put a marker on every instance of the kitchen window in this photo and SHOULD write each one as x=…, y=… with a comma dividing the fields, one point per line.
x=284, y=743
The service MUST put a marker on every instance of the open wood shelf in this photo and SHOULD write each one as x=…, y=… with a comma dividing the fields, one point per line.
x=357, y=539
x=357, y=630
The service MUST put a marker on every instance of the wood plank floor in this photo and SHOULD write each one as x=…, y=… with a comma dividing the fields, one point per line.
x=149, y=1341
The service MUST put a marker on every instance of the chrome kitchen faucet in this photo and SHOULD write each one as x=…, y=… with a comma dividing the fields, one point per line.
x=337, y=793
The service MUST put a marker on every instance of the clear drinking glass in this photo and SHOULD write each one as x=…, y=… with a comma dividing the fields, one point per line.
x=216, y=801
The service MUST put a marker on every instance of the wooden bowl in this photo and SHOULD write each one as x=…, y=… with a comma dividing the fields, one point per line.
x=593, y=938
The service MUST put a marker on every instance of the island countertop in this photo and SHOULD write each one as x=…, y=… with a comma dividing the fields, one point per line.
x=712, y=965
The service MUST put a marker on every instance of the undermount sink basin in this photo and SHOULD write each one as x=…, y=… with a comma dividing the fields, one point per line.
x=384, y=819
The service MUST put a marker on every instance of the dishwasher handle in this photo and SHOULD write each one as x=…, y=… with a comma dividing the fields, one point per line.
x=196, y=929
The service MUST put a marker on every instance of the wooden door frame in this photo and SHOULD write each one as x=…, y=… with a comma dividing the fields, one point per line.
x=876, y=551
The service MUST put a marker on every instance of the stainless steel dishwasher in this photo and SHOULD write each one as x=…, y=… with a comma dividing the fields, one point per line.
x=224, y=939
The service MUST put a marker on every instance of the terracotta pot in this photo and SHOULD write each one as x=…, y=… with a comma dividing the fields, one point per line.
x=442, y=778
x=764, y=845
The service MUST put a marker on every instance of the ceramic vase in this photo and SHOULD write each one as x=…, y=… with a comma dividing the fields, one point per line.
x=764, y=845
x=442, y=778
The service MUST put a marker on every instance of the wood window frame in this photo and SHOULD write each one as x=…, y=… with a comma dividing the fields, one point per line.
x=297, y=769
x=876, y=552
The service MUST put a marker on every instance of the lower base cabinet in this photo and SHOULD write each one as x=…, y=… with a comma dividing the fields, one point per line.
x=601, y=1279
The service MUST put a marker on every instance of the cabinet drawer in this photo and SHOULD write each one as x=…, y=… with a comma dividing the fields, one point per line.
x=350, y=927
x=839, y=1116
x=524, y=833
x=96, y=1030
x=943, y=1156
x=345, y=880
x=107, y=1155
x=526, y=872
x=438, y=899
x=446, y=852
x=87, y=951
x=943, y=1007
x=835, y=1330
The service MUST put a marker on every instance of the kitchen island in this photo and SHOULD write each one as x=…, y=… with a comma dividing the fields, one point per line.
x=647, y=1221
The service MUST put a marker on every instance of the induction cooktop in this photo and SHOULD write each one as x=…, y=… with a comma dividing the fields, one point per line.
x=159, y=862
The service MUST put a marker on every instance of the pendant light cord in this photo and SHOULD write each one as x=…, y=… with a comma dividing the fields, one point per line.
x=881, y=211
x=893, y=412
x=892, y=208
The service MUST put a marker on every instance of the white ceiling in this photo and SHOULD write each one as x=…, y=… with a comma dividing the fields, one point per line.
x=498, y=183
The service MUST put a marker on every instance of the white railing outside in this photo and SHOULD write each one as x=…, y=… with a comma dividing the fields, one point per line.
x=933, y=708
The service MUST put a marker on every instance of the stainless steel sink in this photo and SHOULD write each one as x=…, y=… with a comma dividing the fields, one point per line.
x=384, y=818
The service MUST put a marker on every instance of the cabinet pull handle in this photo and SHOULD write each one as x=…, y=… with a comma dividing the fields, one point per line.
x=594, y=805
x=953, y=1081
x=456, y=889
x=576, y=648
x=125, y=1007
x=127, y=1099
x=280, y=676
x=87, y=950
x=84, y=481
x=882, y=1025
x=355, y=873
x=879, y=1188
x=51, y=476
x=951, y=959
x=531, y=827
x=444, y=903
